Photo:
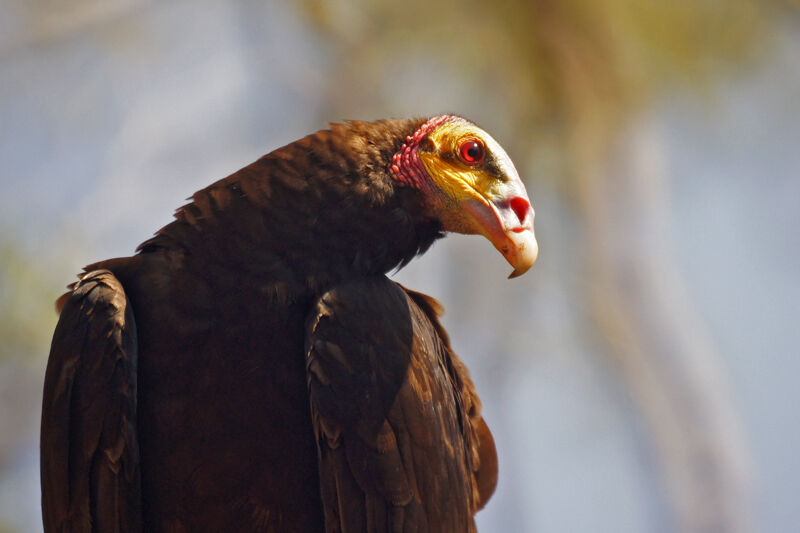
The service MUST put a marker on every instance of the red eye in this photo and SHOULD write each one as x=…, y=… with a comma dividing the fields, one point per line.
x=470, y=151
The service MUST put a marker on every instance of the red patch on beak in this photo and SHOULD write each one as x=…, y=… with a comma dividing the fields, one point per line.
x=522, y=208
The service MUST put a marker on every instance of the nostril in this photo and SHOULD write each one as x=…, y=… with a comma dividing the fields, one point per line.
x=521, y=207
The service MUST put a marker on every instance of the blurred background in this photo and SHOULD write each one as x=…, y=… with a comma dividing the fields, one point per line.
x=642, y=377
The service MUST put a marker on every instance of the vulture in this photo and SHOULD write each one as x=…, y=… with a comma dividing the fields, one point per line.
x=252, y=368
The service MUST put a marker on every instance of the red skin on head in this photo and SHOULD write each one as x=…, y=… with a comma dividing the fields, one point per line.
x=406, y=167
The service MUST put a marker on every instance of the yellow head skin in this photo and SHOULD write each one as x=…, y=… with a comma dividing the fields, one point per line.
x=483, y=195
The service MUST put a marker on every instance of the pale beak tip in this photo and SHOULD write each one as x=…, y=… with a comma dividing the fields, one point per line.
x=525, y=253
x=515, y=274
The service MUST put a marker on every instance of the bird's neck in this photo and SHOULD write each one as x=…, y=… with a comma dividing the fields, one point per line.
x=310, y=214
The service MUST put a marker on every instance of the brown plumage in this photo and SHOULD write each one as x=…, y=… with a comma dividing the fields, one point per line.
x=252, y=368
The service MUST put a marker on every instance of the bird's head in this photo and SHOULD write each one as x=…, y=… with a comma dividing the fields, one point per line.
x=470, y=185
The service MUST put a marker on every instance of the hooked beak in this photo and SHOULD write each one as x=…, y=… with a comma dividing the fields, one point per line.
x=508, y=224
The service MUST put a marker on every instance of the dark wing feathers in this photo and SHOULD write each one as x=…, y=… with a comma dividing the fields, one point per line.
x=483, y=452
x=90, y=457
x=395, y=413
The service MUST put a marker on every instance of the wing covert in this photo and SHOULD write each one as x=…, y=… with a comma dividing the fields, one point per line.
x=89, y=451
x=394, y=412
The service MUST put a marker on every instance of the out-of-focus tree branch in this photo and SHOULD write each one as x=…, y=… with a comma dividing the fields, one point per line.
x=656, y=339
